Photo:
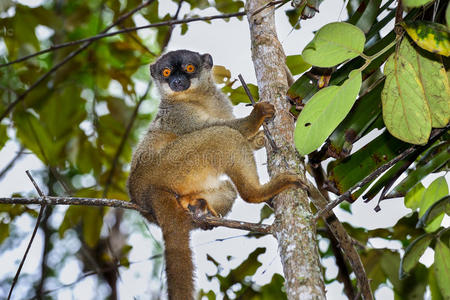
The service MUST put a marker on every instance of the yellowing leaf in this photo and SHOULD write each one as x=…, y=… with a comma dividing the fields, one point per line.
x=221, y=74
x=323, y=113
x=334, y=43
x=430, y=36
x=406, y=112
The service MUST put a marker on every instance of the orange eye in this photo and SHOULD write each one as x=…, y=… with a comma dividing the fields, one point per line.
x=166, y=72
x=190, y=68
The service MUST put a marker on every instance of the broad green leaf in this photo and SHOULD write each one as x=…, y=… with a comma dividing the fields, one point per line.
x=406, y=112
x=430, y=36
x=297, y=64
x=35, y=136
x=4, y=231
x=333, y=44
x=432, y=283
x=366, y=109
x=413, y=252
x=3, y=136
x=415, y=3
x=436, y=88
x=71, y=218
x=323, y=113
x=438, y=208
x=442, y=268
x=414, y=197
x=447, y=15
x=437, y=189
x=238, y=95
x=92, y=225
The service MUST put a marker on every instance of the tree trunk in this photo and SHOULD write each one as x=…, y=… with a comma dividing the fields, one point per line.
x=293, y=218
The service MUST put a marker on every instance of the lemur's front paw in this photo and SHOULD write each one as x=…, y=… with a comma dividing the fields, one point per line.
x=264, y=110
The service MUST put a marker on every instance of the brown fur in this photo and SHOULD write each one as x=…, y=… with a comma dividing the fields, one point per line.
x=176, y=167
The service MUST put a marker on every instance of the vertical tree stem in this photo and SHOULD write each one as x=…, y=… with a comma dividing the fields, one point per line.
x=293, y=227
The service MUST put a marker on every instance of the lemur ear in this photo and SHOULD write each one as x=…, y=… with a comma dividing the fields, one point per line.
x=153, y=70
x=207, y=60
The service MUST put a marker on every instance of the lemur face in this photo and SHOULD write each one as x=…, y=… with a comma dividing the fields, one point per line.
x=180, y=69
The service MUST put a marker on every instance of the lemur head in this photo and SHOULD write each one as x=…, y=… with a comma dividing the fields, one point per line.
x=182, y=72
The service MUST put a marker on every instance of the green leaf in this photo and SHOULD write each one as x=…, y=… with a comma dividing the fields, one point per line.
x=406, y=112
x=415, y=3
x=92, y=225
x=432, y=283
x=437, y=189
x=238, y=95
x=365, y=111
x=3, y=136
x=413, y=253
x=436, y=209
x=447, y=15
x=442, y=267
x=414, y=197
x=265, y=213
x=4, y=231
x=71, y=219
x=365, y=15
x=323, y=113
x=433, y=37
x=297, y=64
x=333, y=44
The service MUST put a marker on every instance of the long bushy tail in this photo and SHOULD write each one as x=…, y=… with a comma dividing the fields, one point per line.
x=175, y=225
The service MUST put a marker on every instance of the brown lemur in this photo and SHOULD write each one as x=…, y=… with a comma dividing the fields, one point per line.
x=191, y=143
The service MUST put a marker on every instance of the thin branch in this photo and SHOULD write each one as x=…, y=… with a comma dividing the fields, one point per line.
x=252, y=100
x=71, y=55
x=38, y=220
x=125, y=30
x=434, y=135
x=123, y=140
x=12, y=162
x=213, y=221
x=320, y=198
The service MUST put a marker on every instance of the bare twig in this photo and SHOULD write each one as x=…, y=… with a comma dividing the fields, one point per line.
x=339, y=238
x=51, y=200
x=38, y=220
x=434, y=135
x=269, y=4
x=215, y=222
x=71, y=55
x=12, y=162
x=252, y=100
